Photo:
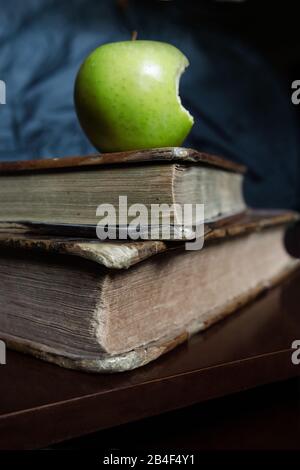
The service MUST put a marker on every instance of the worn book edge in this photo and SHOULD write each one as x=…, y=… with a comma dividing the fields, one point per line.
x=143, y=355
x=165, y=154
x=124, y=254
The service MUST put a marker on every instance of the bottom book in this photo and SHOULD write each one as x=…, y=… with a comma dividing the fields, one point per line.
x=112, y=306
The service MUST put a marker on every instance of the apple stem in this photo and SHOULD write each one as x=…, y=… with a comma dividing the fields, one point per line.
x=123, y=4
x=134, y=35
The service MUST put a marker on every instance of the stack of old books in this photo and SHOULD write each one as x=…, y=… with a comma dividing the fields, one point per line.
x=86, y=285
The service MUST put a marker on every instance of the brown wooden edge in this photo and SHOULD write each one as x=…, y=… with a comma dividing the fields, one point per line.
x=40, y=426
x=167, y=154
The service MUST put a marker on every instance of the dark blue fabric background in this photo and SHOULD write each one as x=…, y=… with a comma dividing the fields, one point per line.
x=241, y=110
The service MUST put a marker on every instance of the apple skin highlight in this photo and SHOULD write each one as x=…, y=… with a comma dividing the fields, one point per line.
x=126, y=96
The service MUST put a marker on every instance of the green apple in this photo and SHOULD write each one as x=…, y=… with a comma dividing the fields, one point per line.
x=127, y=96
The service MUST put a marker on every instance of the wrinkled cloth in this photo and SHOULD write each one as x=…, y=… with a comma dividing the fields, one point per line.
x=241, y=110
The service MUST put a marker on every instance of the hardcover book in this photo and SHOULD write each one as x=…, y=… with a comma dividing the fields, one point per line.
x=109, y=307
x=64, y=193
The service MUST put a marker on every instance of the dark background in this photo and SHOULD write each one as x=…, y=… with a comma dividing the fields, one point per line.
x=243, y=59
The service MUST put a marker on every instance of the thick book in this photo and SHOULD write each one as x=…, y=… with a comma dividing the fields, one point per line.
x=67, y=191
x=108, y=307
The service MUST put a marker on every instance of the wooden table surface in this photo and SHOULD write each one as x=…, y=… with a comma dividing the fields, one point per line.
x=41, y=404
x=265, y=418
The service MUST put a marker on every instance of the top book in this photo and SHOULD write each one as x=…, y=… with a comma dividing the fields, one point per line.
x=68, y=191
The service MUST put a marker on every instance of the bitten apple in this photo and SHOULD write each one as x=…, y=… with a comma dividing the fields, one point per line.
x=127, y=96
